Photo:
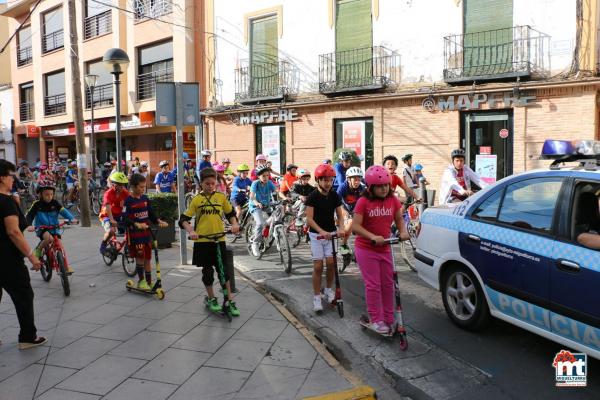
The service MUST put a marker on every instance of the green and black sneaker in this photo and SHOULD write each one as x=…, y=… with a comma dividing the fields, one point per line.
x=212, y=304
x=233, y=309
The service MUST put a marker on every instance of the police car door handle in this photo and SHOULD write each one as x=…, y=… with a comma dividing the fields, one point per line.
x=568, y=266
x=474, y=238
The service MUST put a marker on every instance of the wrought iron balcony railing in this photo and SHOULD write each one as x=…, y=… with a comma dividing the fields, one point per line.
x=103, y=96
x=367, y=68
x=52, y=41
x=54, y=105
x=98, y=25
x=520, y=51
x=265, y=81
x=26, y=112
x=24, y=56
x=146, y=83
x=152, y=8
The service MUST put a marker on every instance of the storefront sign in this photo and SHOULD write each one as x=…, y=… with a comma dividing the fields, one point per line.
x=486, y=166
x=271, y=145
x=63, y=153
x=503, y=133
x=135, y=121
x=266, y=117
x=485, y=150
x=354, y=136
x=467, y=102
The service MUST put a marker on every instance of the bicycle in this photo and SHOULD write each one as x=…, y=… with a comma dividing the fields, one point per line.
x=295, y=223
x=116, y=247
x=96, y=196
x=273, y=231
x=410, y=216
x=55, y=258
x=26, y=195
x=232, y=238
x=73, y=200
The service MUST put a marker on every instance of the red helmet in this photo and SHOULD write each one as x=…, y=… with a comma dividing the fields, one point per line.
x=377, y=175
x=324, y=171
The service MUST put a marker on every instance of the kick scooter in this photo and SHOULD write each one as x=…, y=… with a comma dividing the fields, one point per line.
x=337, y=300
x=397, y=328
x=156, y=289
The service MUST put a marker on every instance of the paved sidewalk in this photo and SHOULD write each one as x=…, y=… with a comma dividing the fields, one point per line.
x=107, y=343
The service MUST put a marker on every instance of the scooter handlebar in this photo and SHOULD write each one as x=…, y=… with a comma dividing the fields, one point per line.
x=392, y=240
x=214, y=236
x=334, y=235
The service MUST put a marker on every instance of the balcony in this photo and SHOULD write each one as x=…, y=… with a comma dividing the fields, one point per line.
x=146, y=83
x=55, y=105
x=98, y=25
x=497, y=54
x=152, y=8
x=265, y=81
x=26, y=112
x=24, y=56
x=363, y=69
x=103, y=96
x=52, y=41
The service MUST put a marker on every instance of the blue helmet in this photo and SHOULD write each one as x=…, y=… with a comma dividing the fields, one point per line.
x=185, y=155
x=418, y=167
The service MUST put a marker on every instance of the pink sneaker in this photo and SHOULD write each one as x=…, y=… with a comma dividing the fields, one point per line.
x=380, y=327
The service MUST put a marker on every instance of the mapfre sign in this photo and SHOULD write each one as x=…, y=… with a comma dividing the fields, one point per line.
x=266, y=117
x=474, y=102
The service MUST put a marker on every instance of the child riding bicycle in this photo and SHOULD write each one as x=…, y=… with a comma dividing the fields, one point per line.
x=239, y=189
x=45, y=212
x=137, y=216
x=373, y=216
x=350, y=192
x=112, y=206
x=207, y=208
x=261, y=193
x=321, y=207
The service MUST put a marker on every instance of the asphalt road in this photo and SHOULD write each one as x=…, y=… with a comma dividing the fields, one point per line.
x=442, y=361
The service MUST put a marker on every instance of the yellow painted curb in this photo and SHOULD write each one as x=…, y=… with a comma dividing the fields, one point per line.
x=358, y=393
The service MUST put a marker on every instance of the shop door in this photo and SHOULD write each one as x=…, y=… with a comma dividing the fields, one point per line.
x=356, y=134
x=488, y=140
x=270, y=141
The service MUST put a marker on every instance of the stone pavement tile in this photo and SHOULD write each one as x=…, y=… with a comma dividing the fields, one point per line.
x=14, y=360
x=123, y=328
x=221, y=321
x=136, y=389
x=52, y=376
x=249, y=301
x=9, y=337
x=7, y=320
x=82, y=352
x=22, y=385
x=103, y=375
x=195, y=305
x=47, y=320
x=68, y=332
x=195, y=282
x=58, y=394
x=177, y=322
x=171, y=281
x=242, y=355
x=204, y=338
x=75, y=307
x=104, y=314
x=127, y=299
x=291, y=332
x=182, y=294
x=173, y=366
x=260, y=330
x=322, y=379
x=212, y=383
x=145, y=345
x=289, y=352
x=156, y=309
x=268, y=311
x=273, y=382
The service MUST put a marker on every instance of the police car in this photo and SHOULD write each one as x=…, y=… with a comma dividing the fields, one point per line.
x=511, y=251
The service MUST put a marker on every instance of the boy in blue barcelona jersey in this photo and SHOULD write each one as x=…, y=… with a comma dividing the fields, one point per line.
x=240, y=188
x=205, y=163
x=261, y=194
x=340, y=169
x=137, y=216
x=350, y=192
x=164, y=180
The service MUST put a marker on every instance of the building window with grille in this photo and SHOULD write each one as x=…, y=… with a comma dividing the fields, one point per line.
x=26, y=102
x=152, y=8
x=155, y=65
x=54, y=89
x=24, y=55
x=103, y=91
x=52, y=30
x=98, y=20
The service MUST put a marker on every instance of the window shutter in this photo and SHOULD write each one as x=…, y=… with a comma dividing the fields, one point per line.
x=264, y=77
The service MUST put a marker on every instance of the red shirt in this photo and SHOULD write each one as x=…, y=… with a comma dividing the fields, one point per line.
x=378, y=216
x=288, y=182
x=397, y=181
x=115, y=201
x=460, y=178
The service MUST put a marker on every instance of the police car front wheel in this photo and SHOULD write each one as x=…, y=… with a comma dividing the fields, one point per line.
x=463, y=298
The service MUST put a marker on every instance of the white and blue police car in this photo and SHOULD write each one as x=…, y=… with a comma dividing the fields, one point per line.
x=512, y=250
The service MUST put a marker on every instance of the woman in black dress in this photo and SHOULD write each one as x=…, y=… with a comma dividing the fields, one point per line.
x=14, y=276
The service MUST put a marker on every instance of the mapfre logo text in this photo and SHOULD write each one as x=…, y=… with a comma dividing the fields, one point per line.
x=571, y=368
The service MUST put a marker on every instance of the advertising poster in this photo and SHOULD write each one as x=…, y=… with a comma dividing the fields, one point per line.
x=189, y=144
x=486, y=166
x=354, y=138
x=271, y=146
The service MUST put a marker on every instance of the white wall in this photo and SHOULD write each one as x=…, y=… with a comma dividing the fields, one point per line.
x=6, y=116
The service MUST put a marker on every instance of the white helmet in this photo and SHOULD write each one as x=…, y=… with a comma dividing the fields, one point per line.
x=206, y=153
x=354, y=171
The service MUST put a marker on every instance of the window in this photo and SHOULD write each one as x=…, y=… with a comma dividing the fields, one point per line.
x=54, y=100
x=488, y=210
x=24, y=56
x=26, y=101
x=155, y=65
x=270, y=141
x=585, y=215
x=264, y=76
x=353, y=41
x=152, y=8
x=356, y=134
x=530, y=204
x=98, y=19
x=103, y=91
x=52, y=37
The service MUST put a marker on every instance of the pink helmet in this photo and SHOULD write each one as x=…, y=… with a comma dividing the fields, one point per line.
x=220, y=168
x=377, y=175
x=261, y=157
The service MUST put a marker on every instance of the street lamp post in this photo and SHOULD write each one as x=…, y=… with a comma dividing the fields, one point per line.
x=91, y=81
x=116, y=60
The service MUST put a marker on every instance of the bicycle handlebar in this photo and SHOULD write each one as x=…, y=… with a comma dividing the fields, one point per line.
x=52, y=226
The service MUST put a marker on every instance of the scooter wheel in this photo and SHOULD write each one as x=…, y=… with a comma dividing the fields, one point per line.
x=129, y=283
x=403, y=341
x=160, y=294
x=340, y=307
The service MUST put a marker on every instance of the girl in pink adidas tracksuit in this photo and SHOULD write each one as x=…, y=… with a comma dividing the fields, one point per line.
x=373, y=216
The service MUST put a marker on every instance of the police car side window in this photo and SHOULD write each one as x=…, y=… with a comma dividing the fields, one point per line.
x=530, y=204
x=488, y=210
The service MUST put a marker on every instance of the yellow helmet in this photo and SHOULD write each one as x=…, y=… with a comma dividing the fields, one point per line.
x=119, y=177
x=243, y=167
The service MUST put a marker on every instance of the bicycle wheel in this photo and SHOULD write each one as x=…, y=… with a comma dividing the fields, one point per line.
x=188, y=199
x=64, y=277
x=285, y=252
x=46, y=269
x=407, y=251
x=128, y=262
x=248, y=232
x=109, y=255
x=95, y=201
